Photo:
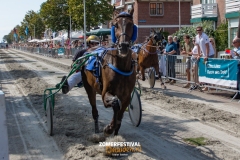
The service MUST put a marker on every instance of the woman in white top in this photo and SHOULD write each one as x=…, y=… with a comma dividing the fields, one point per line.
x=194, y=59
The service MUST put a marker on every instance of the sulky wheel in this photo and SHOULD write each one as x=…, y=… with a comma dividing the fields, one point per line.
x=151, y=77
x=138, y=87
x=135, y=109
x=49, y=112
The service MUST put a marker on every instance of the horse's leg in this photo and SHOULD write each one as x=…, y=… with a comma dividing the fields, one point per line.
x=120, y=115
x=142, y=72
x=92, y=99
x=156, y=67
x=111, y=101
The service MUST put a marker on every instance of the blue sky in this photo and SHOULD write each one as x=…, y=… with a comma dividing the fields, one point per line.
x=13, y=12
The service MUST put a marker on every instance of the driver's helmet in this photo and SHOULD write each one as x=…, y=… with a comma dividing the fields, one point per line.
x=93, y=39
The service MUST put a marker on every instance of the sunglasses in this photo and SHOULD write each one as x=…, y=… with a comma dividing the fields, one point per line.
x=234, y=42
x=199, y=30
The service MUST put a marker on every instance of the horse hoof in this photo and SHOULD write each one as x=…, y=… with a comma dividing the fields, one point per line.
x=107, y=130
x=106, y=135
x=163, y=86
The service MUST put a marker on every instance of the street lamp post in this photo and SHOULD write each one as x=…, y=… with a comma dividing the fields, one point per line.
x=70, y=28
x=179, y=6
x=84, y=10
x=34, y=31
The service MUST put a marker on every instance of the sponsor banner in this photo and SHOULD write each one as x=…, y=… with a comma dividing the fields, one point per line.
x=61, y=51
x=218, y=71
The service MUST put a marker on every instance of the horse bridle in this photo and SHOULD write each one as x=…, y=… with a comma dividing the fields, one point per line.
x=123, y=33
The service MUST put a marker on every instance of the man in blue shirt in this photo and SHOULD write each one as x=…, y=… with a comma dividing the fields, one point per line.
x=171, y=51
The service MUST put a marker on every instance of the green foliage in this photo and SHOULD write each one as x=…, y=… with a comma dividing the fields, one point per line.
x=221, y=37
x=199, y=141
x=55, y=14
x=96, y=12
x=8, y=38
x=191, y=31
x=165, y=34
x=33, y=19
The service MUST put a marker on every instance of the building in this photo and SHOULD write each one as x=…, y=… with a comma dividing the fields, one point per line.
x=232, y=14
x=157, y=14
x=217, y=11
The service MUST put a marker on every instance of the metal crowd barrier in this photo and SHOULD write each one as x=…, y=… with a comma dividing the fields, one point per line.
x=49, y=52
x=179, y=63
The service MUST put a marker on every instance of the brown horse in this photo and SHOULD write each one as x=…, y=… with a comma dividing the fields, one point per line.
x=117, y=78
x=148, y=55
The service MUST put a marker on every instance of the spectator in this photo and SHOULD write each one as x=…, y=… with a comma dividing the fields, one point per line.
x=212, y=41
x=187, y=51
x=103, y=43
x=204, y=46
x=170, y=51
x=80, y=45
x=67, y=47
x=236, y=55
x=194, y=62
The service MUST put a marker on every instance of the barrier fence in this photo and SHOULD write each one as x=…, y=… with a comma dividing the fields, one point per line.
x=50, y=52
x=216, y=73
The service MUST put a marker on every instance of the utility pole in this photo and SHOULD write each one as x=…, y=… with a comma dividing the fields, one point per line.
x=84, y=8
x=34, y=31
x=179, y=6
x=70, y=29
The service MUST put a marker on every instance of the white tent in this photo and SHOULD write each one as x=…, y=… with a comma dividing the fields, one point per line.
x=65, y=36
x=77, y=35
x=44, y=40
x=59, y=38
x=34, y=40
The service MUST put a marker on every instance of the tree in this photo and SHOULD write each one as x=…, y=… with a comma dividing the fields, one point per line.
x=221, y=36
x=30, y=20
x=96, y=12
x=8, y=38
x=55, y=14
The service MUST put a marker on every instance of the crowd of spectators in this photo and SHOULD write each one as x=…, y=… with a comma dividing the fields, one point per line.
x=194, y=48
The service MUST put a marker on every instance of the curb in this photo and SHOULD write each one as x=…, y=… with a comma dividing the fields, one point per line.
x=3, y=129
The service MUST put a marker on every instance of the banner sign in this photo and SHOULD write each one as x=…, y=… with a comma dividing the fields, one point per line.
x=26, y=30
x=218, y=71
x=61, y=51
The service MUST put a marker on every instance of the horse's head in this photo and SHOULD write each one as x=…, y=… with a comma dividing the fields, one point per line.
x=123, y=31
x=156, y=36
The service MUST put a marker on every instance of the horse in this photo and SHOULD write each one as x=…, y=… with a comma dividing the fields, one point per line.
x=117, y=79
x=148, y=55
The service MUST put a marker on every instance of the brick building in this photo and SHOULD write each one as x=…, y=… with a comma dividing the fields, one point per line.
x=217, y=11
x=157, y=14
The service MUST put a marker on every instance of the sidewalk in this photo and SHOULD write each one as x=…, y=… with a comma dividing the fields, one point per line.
x=219, y=99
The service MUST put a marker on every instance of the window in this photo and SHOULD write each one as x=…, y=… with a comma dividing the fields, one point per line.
x=208, y=1
x=156, y=9
x=233, y=33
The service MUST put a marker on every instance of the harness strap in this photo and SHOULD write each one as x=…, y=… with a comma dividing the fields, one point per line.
x=118, y=71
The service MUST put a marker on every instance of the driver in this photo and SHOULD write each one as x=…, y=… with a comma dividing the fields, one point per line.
x=76, y=78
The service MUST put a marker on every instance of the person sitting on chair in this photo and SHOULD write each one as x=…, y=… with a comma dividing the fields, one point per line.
x=76, y=78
